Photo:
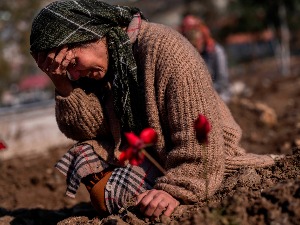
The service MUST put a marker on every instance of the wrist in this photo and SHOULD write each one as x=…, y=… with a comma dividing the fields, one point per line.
x=63, y=87
x=64, y=92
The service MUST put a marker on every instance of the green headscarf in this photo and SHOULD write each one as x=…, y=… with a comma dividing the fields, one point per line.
x=69, y=22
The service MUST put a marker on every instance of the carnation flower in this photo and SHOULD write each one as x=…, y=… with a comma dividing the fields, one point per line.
x=136, y=152
x=2, y=145
x=202, y=128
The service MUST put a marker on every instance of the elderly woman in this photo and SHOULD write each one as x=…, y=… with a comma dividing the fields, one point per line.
x=115, y=72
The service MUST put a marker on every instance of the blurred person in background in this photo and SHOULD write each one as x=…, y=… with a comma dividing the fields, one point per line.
x=115, y=72
x=195, y=30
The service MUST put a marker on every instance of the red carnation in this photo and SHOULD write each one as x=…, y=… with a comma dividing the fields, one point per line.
x=148, y=136
x=133, y=140
x=2, y=145
x=134, y=156
x=202, y=128
x=135, y=152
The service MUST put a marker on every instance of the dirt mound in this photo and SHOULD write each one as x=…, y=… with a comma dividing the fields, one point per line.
x=267, y=109
x=251, y=196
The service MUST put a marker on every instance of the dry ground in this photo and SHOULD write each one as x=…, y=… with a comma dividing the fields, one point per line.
x=268, y=109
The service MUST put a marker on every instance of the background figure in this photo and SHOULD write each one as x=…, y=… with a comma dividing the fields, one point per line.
x=194, y=29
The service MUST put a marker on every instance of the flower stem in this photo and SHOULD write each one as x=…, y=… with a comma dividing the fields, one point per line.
x=206, y=173
x=153, y=161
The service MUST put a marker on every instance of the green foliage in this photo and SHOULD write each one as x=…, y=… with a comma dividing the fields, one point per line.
x=256, y=15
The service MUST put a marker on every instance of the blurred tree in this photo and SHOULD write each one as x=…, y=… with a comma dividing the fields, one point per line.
x=257, y=15
x=15, y=21
x=4, y=76
x=209, y=10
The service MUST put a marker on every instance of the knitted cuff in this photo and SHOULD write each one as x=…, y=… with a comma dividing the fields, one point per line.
x=80, y=115
x=234, y=163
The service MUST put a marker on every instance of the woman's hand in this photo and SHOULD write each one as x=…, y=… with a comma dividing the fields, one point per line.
x=155, y=202
x=54, y=64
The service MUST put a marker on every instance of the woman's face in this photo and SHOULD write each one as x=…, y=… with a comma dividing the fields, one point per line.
x=90, y=60
x=196, y=39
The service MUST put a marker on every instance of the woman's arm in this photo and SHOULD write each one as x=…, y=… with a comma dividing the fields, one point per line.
x=184, y=88
x=79, y=115
x=54, y=63
x=195, y=171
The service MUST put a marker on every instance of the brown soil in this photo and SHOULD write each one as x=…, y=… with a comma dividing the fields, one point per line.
x=268, y=110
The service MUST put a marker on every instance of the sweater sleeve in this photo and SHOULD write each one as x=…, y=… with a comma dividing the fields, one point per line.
x=194, y=171
x=80, y=116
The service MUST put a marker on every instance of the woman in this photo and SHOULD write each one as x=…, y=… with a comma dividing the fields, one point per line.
x=194, y=29
x=127, y=74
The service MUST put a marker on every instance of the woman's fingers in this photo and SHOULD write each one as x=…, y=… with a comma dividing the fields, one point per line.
x=60, y=61
x=156, y=202
x=171, y=207
x=47, y=65
x=160, y=206
x=54, y=62
x=67, y=58
x=63, y=58
x=140, y=197
x=143, y=200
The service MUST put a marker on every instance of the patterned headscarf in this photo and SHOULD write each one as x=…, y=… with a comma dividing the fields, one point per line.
x=69, y=22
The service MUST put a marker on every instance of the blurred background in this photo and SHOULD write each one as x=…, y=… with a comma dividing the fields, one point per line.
x=254, y=34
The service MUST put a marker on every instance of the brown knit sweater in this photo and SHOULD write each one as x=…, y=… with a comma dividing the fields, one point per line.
x=177, y=88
